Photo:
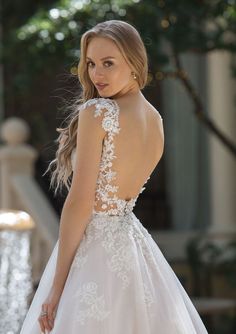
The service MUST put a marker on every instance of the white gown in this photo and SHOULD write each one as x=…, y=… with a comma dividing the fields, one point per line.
x=119, y=281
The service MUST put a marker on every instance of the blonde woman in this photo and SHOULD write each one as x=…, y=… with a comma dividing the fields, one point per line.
x=106, y=274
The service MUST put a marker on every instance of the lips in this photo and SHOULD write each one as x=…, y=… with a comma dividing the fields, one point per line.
x=101, y=85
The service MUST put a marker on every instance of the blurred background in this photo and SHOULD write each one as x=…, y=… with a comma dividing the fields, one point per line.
x=189, y=205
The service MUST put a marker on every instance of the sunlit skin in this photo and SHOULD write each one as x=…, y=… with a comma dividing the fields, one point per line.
x=113, y=70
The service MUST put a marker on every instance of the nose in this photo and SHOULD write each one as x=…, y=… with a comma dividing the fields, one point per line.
x=97, y=72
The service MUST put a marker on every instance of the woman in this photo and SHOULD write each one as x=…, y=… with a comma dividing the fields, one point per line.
x=106, y=274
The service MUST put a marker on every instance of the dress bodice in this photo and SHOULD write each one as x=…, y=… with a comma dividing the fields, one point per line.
x=106, y=190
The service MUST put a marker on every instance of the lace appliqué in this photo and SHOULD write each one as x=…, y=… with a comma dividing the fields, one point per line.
x=115, y=234
x=148, y=296
x=115, y=229
x=81, y=255
x=87, y=295
x=105, y=189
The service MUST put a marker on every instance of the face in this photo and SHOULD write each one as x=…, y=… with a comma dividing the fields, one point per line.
x=107, y=68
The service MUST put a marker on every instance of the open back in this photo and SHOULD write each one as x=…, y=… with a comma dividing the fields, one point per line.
x=129, y=155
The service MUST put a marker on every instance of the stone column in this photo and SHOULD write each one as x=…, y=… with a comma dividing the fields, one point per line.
x=222, y=106
x=186, y=150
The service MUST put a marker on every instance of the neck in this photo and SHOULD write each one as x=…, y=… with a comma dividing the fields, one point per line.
x=130, y=91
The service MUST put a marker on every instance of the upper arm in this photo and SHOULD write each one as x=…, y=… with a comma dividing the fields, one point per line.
x=161, y=140
x=90, y=135
x=159, y=131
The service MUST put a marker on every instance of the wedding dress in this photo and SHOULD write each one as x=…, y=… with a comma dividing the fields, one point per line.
x=119, y=281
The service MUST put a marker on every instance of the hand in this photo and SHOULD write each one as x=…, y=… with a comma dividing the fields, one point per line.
x=48, y=313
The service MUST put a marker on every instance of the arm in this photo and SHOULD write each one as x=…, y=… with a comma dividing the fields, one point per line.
x=79, y=203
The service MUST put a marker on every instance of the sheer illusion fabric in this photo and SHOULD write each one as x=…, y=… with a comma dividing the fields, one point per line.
x=119, y=281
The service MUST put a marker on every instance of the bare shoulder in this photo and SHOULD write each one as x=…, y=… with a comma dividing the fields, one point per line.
x=156, y=114
x=141, y=124
x=137, y=114
x=95, y=107
x=133, y=104
x=91, y=116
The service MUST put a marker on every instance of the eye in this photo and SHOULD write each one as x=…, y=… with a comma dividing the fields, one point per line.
x=109, y=63
x=89, y=62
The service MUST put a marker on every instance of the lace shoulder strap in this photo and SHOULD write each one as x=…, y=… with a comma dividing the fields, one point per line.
x=110, y=110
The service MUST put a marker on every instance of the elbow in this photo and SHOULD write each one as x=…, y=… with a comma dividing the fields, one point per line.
x=81, y=204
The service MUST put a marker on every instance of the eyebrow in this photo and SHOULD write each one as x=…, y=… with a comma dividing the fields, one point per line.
x=103, y=58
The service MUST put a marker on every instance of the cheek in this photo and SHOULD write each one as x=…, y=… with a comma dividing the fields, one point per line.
x=120, y=75
x=90, y=74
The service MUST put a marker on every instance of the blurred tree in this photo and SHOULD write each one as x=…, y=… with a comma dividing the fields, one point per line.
x=51, y=37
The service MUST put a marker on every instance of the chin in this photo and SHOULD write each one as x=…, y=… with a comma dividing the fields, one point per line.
x=105, y=95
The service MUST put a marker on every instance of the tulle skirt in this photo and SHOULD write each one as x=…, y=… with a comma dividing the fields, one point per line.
x=119, y=282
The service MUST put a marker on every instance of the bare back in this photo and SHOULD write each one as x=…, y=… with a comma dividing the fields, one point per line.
x=131, y=149
x=138, y=146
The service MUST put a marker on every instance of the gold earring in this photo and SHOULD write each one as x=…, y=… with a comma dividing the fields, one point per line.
x=134, y=75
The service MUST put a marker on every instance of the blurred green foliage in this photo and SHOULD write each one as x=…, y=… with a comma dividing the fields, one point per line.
x=183, y=25
x=41, y=41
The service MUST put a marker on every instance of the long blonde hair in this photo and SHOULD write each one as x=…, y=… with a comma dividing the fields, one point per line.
x=133, y=50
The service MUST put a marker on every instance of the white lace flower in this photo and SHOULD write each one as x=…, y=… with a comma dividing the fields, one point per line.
x=107, y=124
x=88, y=295
x=106, y=190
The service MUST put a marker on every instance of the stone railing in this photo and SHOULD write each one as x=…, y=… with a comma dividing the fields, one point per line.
x=20, y=191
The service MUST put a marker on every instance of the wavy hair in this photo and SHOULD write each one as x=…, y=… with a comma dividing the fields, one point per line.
x=131, y=46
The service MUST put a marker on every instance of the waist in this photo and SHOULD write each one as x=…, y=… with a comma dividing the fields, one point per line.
x=113, y=207
x=103, y=223
x=109, y=216
x=112, y=213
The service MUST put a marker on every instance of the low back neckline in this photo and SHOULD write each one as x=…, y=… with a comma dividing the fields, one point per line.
x=106, y=191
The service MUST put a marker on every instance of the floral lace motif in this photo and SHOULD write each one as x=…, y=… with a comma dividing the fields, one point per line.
x=87, y=294
x=105, y=189
x=115, y=234
x=148, y=297
x=116, y=229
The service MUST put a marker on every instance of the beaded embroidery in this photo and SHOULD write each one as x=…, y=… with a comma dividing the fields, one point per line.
x=114, y=229
x=115, y=234
x=105, y=190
